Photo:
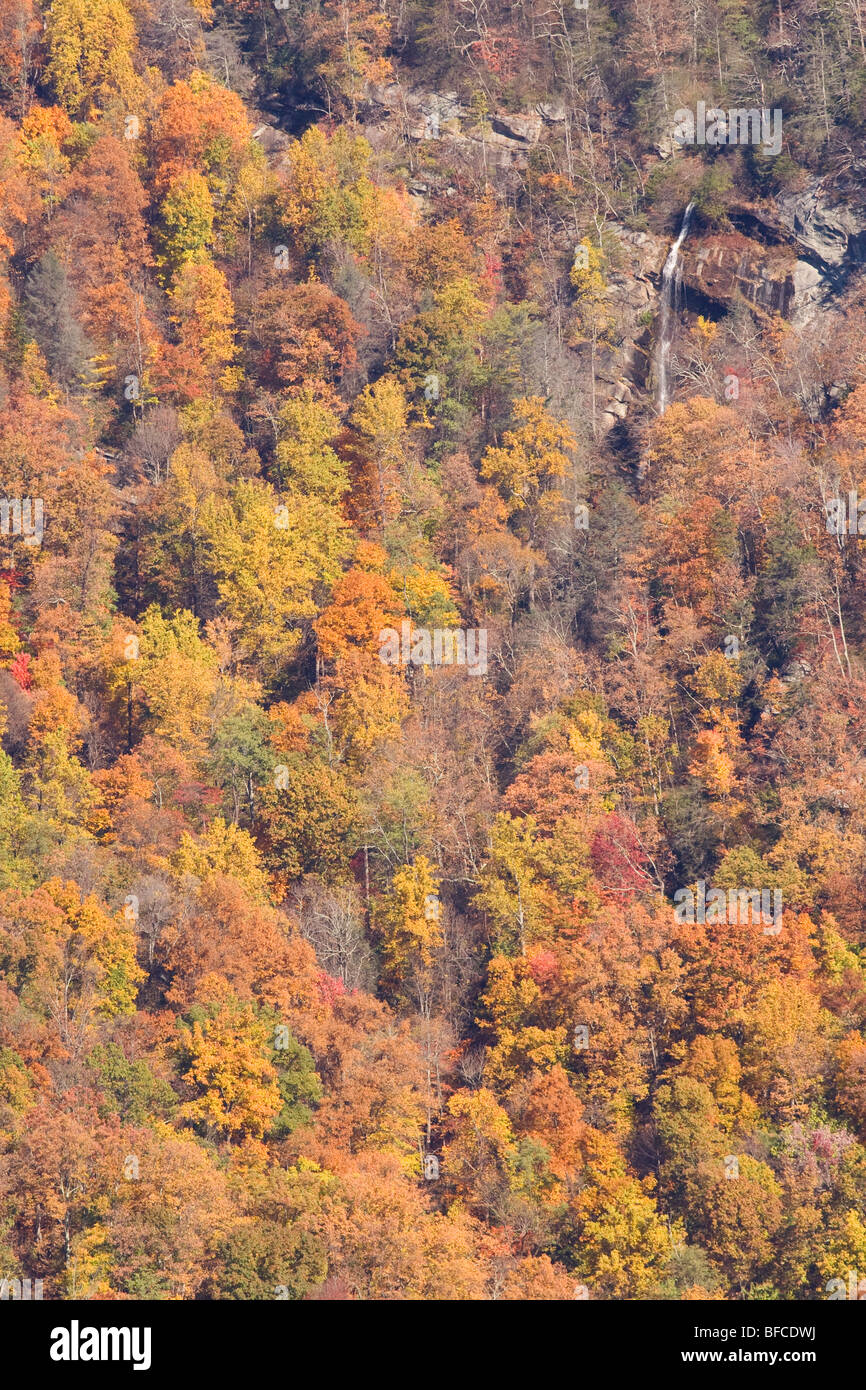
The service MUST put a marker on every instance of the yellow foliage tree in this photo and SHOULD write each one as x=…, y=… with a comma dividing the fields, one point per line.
x=226, y=1055
x=409, y=923
x=91, y=46
x=224, y=849
x=531, y=460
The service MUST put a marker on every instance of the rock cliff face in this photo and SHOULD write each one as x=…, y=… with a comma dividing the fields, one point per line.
x=835, y=235
x=791, y=260
x=790, y=256
x=501, y=139
x=633, y=291
x=719, y=269
x=786, y=262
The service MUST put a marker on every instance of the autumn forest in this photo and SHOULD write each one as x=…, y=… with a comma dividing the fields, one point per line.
x=433, y=650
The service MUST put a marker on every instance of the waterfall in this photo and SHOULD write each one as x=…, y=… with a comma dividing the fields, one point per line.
x=672, y=277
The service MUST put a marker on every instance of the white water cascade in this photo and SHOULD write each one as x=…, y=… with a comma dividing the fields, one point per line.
x=672, y=277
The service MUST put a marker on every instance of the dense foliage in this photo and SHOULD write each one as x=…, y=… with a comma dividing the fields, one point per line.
x=329, y=976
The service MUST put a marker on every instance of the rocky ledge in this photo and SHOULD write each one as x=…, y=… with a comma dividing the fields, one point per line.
x=787, y=262
x=505, y=137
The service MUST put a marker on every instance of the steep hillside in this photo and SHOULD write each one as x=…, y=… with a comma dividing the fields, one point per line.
x=432, y=689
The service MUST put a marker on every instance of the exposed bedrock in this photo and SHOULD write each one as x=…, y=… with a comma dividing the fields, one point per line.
x=786, y=260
